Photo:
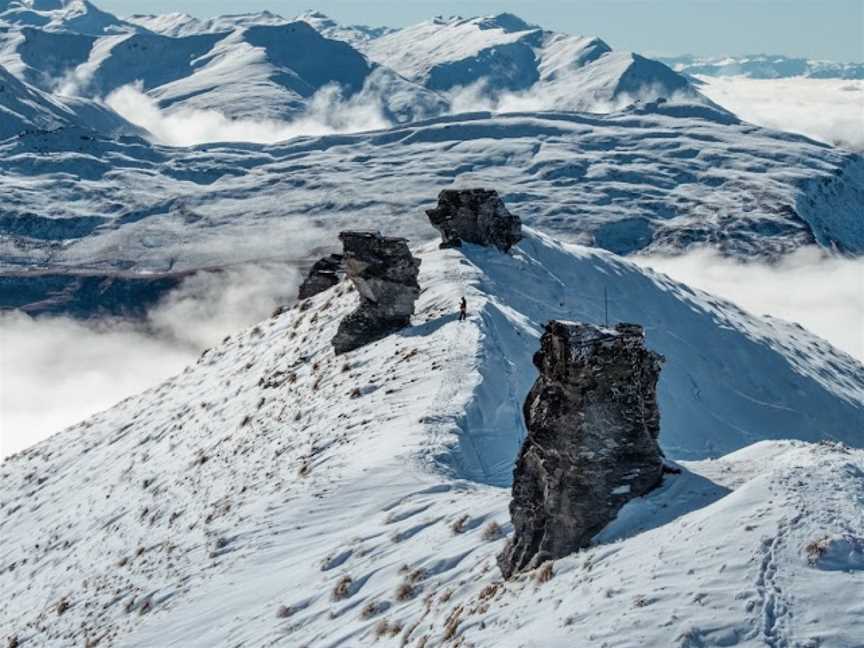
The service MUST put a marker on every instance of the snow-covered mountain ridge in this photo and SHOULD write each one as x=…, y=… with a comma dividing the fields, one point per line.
x=253, y=64
x=24, y=108
x=272, y=493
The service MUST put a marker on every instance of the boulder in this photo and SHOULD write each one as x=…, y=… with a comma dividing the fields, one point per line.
x=476, y=216
x=592, y=422
x=323, y=275
x=385, y=275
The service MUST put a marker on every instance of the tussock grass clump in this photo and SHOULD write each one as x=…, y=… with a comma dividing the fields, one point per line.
x=382, y=628
x=304, y=469
x=816, y=549
x=406, y=591
x=458, y=525
x=545, y=573
x=451, y=627
x=492, y=531
x=343, y=588
x=371, y=609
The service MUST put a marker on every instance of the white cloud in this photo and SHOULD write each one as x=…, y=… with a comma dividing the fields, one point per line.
x=823, y=293
x=553, y=96
x=828, y=110
x=328, y=112
x=55, y=372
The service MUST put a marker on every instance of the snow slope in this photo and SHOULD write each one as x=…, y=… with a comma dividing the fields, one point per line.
x=77, y=16
x=260, y=71
x=503, y=55
x=273, y=71
x=178, y=24
x=255, y=65
x=274, y=495
x=25, y=108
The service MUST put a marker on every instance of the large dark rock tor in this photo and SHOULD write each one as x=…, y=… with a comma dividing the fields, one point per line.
x=593, y=422
x=476, y=216
x=385, y=275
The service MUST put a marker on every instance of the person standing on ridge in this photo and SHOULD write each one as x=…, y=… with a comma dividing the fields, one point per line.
x=463, y=310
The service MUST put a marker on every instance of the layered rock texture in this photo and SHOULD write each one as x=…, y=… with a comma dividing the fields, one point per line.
x=476, y=216
x=323, y=275
x=593, y=422
x=385, y=275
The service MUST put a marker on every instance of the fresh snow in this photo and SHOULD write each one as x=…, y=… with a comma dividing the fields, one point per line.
x=650, y=179
x=514, y=64
x=229, y=505
x=257, y=65
x=76, y=16
x=272, y=494
x=24, y=109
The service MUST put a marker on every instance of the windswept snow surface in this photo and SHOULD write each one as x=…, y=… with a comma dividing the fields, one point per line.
x=263, y=66
x=274, y=494
x=255, y=68
x=655, y=178
x=24, y=108
x=76, y=16
x=514, y=65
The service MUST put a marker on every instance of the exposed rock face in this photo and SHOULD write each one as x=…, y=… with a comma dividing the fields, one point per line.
x=323, y=275
x=385, y=275
x=593, y=423
x=476, y=216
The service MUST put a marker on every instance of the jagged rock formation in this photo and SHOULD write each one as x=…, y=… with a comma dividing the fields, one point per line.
x=385, y=275
x=593, y=423
x=476, y=216
x=323, y=275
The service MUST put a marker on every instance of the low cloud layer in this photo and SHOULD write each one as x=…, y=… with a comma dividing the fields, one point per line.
x=328, y=112
x=828, y=110
x=55, y=372
x=824, y=294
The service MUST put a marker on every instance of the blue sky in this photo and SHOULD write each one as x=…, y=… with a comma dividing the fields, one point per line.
x=831, y=29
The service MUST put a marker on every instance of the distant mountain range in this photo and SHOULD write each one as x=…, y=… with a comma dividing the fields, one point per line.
x=599, y=146
x=764, y=66
x=266, y=66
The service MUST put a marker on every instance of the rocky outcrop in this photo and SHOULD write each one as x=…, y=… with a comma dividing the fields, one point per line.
x=476, y=216
x=592, y=423
x=323, y=275
x=385, y=275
